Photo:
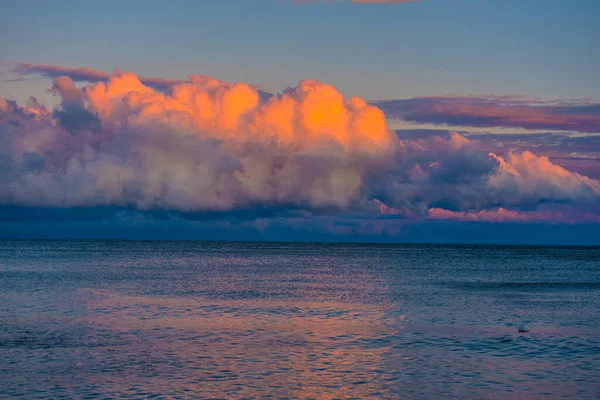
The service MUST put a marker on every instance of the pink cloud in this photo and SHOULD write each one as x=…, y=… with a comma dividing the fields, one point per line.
x=504, y=215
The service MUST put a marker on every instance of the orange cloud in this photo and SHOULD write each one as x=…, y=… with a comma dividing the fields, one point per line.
x=206, y=145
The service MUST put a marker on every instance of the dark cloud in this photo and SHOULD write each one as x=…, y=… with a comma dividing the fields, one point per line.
x=324, y=229
x=86, y=74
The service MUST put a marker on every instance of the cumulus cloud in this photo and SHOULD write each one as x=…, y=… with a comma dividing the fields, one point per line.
x=208, y=146
x=575, y=152
x=497, y=111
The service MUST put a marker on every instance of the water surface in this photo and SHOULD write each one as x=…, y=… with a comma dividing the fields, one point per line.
x=268, y=320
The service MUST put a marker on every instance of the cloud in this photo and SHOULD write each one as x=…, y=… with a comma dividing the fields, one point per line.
x=86, y=74
x=497, y=111
x=208, y=147
x=504, y=215
x=576, y=153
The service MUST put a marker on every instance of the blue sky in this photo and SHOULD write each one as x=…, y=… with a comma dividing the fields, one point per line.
x=545, y=48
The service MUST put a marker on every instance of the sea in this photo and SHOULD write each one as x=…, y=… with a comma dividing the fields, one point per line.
x=243, y=320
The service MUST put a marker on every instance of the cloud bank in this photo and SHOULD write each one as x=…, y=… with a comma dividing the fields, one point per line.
x=206, y=146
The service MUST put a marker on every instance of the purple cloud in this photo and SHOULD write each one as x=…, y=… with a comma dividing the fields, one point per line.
x=86, y=74
x=497, y=111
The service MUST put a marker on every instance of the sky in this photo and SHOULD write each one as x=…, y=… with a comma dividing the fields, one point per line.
x=409, y=121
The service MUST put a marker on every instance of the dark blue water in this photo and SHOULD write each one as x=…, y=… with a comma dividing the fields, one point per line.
x=258, y=320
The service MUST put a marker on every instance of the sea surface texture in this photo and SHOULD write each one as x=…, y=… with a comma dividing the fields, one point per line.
x=271, y=320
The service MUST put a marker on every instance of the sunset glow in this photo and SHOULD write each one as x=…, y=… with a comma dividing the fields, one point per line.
x=304, y=155
x=300, y=199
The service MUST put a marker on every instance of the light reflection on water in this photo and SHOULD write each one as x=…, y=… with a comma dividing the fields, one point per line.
x=231, y=320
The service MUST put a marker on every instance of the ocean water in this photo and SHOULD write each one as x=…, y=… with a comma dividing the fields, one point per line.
x=272, y=320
